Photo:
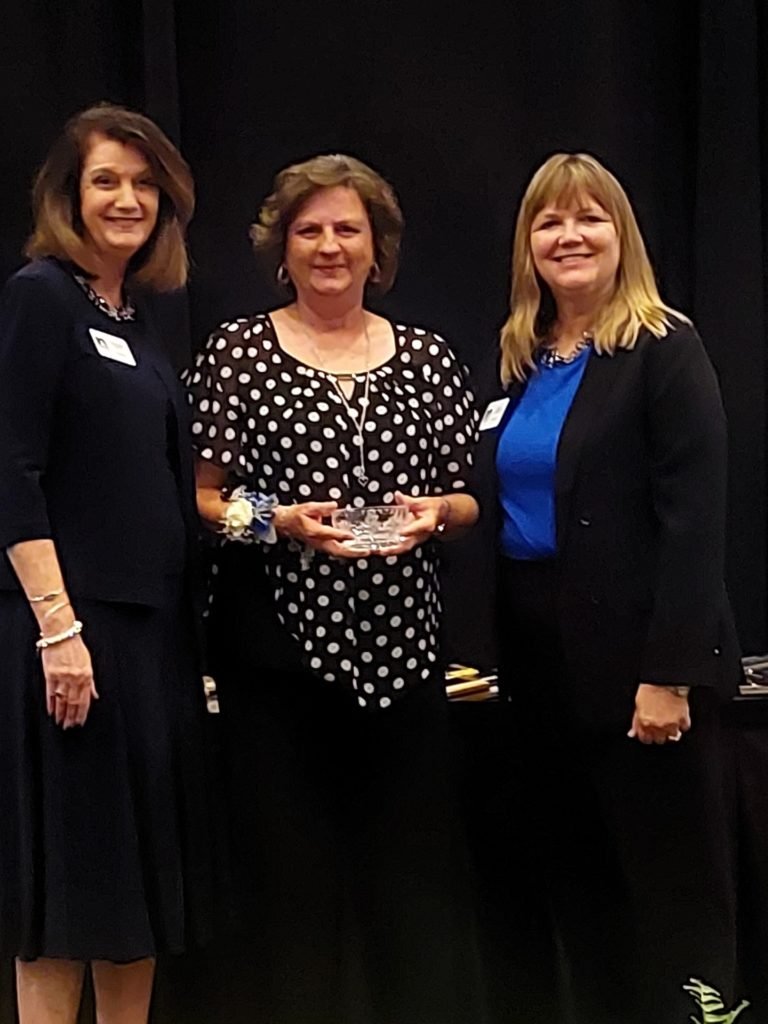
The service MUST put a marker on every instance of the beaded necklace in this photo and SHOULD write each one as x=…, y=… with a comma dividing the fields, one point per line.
x=126, y=311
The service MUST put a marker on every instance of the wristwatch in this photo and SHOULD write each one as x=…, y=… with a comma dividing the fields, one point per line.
x=679, y=691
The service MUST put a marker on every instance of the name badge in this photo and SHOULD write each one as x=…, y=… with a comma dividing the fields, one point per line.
x=112, y=347
x=493, y=414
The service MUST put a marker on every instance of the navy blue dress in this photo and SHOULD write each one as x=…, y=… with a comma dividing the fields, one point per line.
x=103, y=849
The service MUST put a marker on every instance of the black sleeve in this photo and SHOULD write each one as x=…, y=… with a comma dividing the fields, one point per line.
x=481, y=482
x=688, y=447
x=33, y=342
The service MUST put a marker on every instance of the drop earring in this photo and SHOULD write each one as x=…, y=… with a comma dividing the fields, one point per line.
x=282, y=276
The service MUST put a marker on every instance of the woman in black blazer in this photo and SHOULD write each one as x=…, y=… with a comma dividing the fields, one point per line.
x=103, y=832
x=602, y=458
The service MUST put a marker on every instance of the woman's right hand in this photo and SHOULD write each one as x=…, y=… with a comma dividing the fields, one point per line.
x=69, y=684
x=661, y=715
x=304, y=523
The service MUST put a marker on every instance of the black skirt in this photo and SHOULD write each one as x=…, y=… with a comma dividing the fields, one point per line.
x=104, y=842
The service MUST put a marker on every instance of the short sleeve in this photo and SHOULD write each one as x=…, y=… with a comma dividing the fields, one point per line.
x=33, y=346
x=457, y=416
x=218, y=393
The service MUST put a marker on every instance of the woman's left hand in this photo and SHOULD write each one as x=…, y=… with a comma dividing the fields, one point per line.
x=428, y=513
x=660, y=715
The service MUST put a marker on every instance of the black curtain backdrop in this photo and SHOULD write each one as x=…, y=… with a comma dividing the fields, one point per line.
x=456, y=105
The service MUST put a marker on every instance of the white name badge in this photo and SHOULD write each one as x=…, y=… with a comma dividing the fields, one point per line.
x=112, y=347
x=493, y=414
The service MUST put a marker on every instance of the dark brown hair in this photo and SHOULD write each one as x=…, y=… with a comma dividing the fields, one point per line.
x=296, y=184
x=162, y=262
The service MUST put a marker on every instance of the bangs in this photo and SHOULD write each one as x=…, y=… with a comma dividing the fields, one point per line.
x=162, y=262
x=168, y=167
x=570, y=180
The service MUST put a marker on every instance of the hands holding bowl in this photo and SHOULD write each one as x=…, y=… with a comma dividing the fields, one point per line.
x=370, y=530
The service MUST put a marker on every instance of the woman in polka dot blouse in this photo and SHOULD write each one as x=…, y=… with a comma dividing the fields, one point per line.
x=327, y=659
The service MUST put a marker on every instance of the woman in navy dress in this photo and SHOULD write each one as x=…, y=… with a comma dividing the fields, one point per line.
x=103, y=841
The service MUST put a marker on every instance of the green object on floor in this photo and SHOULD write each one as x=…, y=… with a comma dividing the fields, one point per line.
x=710, y=1003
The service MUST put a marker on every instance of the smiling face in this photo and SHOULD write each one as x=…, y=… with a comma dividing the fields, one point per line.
x=575, y=248
x=119, y=199
x=329, y=247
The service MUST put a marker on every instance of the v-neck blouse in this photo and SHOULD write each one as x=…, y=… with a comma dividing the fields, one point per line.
x=369, y=624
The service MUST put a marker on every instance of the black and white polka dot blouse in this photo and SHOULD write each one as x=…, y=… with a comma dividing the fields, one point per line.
x=369, y=624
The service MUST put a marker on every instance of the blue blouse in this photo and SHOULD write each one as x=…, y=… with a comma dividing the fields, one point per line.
x=526, y=458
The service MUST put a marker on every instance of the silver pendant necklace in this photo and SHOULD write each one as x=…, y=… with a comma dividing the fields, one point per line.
x=357, y=420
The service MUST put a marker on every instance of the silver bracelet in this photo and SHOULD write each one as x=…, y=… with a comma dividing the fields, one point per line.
x=58, y=638
x=679, y=691
x=443, y=525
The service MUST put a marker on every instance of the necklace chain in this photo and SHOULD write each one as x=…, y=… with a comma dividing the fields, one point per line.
x=357, y=420
x=549, y=356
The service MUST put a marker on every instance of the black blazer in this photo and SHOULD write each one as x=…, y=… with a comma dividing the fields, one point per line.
x=640, y=500
x=94, y=452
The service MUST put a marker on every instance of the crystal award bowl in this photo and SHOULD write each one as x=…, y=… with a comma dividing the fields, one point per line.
x=374, y=527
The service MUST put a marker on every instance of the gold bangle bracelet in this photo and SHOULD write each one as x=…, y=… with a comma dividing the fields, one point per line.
x=39, y=598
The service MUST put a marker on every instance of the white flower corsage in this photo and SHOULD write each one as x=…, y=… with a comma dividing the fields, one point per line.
x=248, y=517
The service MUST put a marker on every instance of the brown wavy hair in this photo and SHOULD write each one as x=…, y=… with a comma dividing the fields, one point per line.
x=294, y=185
x=635, y=303
x=162, y=262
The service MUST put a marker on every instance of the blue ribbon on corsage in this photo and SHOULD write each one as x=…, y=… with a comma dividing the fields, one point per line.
x=248, y=517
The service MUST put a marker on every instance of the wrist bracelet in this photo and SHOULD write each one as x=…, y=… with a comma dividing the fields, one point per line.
x=56, y=608
x=248, y=516
x=58, y=638
x=443, y=525
x=39, y=598
x=679, y=691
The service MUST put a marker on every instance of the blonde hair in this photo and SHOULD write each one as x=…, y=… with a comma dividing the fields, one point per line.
x=294, y=185
x=635, y=303
x=162, y=262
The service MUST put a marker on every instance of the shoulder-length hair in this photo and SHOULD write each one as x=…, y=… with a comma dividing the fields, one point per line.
x=162, y=262
x=635, y=303
x=294, y=185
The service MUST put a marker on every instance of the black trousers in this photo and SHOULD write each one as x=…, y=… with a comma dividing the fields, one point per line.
x=352, y=890
x=629, y=844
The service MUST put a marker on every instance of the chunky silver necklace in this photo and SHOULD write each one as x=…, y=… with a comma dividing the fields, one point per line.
x=124, y=312
x=550, y=357
x=357, y=420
